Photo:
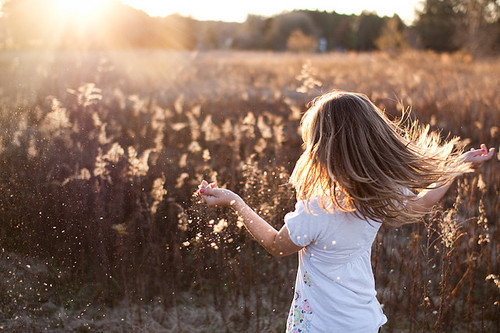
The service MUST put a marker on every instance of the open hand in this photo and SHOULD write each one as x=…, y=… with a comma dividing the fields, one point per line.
x=217, y=197
x=478, y=156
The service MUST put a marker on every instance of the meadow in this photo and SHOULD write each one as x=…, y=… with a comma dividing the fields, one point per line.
x=101, y=228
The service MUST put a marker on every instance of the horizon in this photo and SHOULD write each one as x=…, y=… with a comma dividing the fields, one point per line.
x=223, y=10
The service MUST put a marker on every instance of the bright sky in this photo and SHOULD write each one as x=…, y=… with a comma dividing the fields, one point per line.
x=237, y=11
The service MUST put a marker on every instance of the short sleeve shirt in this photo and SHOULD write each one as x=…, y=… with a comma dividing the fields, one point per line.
x=335, y=286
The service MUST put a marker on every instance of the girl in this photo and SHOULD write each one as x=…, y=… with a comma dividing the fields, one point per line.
x=358, y=170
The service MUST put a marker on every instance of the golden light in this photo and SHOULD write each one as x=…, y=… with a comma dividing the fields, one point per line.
x=78, y=8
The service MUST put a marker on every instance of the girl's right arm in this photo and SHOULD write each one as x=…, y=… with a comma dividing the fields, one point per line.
x=429, y=197
x=277, y=243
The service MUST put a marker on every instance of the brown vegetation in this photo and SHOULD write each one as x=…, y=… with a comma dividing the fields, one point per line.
x=101, y=154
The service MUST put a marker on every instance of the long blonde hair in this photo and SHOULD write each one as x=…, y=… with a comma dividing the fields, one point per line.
x=362, y=162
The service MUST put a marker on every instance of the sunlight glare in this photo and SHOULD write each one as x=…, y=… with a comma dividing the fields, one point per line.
x=80, y=8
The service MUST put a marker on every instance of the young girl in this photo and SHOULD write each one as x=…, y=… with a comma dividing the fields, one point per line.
x=358, y=170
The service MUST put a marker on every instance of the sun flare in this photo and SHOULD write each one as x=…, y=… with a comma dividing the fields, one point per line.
x=78, y=8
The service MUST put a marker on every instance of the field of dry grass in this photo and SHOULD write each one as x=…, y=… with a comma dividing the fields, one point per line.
x=101, y=154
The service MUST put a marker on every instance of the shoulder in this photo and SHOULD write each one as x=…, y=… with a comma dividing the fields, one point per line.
x=310, y=216
x=307, y=209
x=303, y=223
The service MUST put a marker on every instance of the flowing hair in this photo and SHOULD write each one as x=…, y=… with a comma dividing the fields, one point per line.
x=357, y=160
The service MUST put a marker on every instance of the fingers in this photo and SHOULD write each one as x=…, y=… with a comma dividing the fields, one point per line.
x=217, y=197
x=483, y=151
x=208, y=196
x=210, y=190
x=204, y=183
x=205, y=191
x=478, y=157
x=214, y=197
x=209, y=193
x=490, y=153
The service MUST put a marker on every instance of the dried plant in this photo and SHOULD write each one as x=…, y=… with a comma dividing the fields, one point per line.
x=100, y=218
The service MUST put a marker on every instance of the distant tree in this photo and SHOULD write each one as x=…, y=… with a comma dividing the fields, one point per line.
x=26, y=22
x=344, y=34
x=335, y=28
x=391, y=36
x=250, y=34
x=300, y=42
x=282, y=26
x=479, y=25
x=437, y=25
x=37, y=24
x=216, y=34
x=367, y=29
x=208, y=35
x=324, y=23
x=126, y=27
x=180, y=32
x=448, y=25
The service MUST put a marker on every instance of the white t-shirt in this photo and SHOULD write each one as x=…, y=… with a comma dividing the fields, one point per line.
x=335, y=286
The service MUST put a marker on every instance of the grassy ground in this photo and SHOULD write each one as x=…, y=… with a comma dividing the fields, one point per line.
x=101, y=153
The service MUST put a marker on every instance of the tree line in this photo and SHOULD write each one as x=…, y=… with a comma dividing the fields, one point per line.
x=440, y=25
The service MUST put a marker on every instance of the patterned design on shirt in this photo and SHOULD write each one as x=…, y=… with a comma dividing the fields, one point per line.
x=307, y=279
x=300, y=317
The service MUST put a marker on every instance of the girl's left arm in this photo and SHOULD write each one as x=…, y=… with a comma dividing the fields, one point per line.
x=277, y=243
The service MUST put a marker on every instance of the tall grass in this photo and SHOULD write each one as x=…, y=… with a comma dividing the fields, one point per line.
x=101, y=155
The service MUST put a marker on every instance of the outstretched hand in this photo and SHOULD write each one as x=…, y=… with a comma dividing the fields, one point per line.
x=478, y=156
x=217, y=197
x=277, y=243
